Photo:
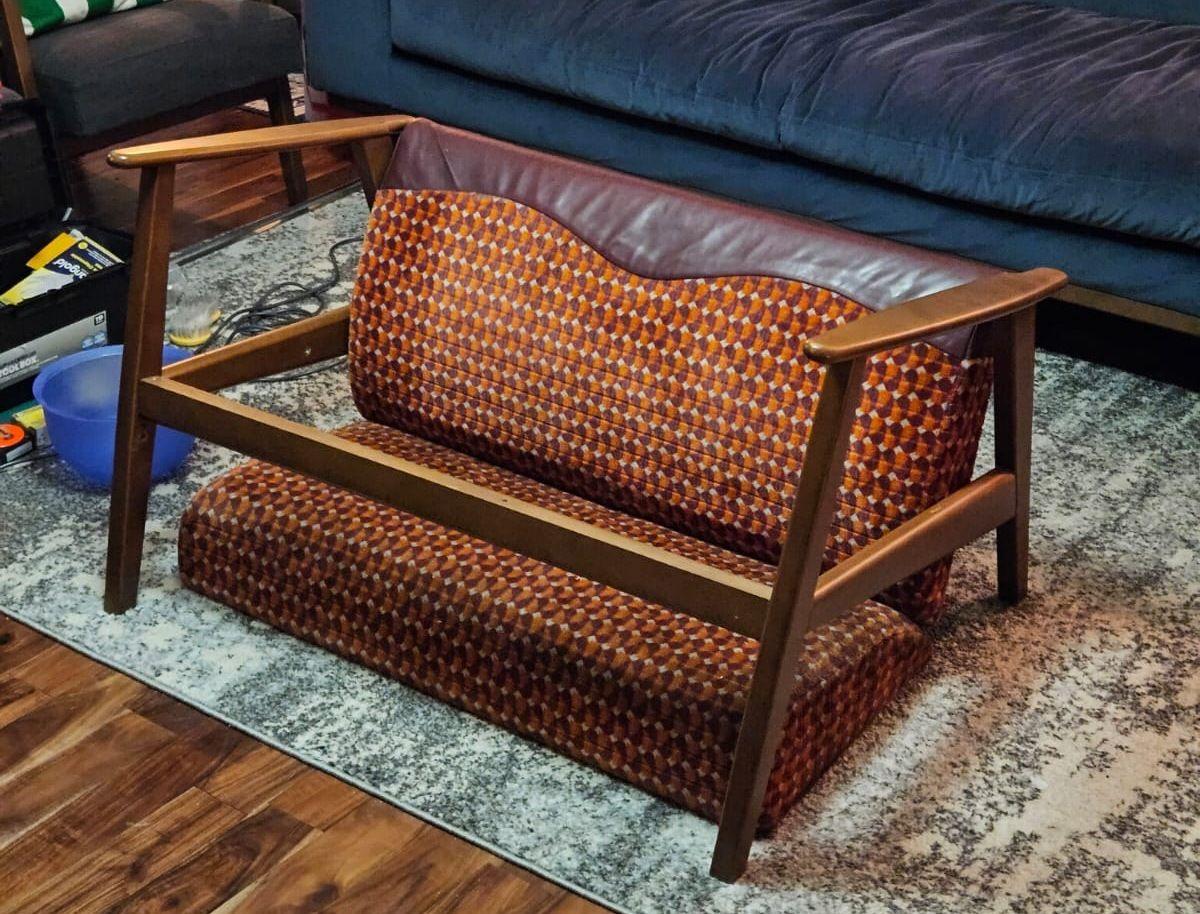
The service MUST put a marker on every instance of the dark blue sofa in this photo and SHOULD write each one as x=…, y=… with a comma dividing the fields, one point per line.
x=1061, y=132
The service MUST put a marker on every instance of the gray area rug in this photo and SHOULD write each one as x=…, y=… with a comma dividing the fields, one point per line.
x=1048, y=759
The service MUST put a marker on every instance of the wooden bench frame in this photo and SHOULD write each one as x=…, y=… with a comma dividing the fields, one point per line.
x=181, y=396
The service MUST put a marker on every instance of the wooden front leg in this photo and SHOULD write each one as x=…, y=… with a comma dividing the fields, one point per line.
x=1014, y=345
x=789, y=617
x=142, y=358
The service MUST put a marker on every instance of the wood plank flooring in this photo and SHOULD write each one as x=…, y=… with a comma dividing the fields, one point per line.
x=210, y=197
x=117, y=799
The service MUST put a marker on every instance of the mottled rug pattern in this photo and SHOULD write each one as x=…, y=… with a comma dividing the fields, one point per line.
x=1047, y=759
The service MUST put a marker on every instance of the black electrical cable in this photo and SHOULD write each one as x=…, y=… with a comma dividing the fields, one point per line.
x=282, y=304
x=265, y=313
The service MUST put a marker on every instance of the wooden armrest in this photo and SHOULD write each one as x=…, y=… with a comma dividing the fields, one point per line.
x=975, y=302
x=263, y=140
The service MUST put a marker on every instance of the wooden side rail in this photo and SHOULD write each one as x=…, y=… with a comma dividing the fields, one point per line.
x=633, y=566
x=957, y=520
x=313, y=339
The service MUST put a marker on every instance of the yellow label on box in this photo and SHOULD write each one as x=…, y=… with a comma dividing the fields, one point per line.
x=62, y=243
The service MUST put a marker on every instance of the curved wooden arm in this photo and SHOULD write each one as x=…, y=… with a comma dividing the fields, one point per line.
x=263, y=140
x=975, y=302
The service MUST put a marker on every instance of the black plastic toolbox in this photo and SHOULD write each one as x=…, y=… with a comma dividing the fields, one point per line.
x=33, y=209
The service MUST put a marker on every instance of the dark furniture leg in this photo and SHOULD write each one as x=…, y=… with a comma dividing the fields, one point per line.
x=370, y=161
x=1014, y=441
x=279, y=102
x=142, y=358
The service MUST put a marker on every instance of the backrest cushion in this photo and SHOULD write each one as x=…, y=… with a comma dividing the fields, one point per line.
x=482, y=323
x=1183, y=12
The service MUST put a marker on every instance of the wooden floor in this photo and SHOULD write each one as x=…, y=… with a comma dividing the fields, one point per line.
x=117, y=798
x=210, y=197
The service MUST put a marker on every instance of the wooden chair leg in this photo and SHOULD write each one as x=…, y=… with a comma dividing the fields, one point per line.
x=371, y=159
x=142, y=358
x=279, y=103
x=788, y=618
x=1014, y=442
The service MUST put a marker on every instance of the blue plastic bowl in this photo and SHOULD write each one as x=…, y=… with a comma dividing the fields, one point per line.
x=78, y=394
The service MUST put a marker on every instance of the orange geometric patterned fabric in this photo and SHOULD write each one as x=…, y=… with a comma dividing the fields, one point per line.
x=484, y=325
x=646, y=694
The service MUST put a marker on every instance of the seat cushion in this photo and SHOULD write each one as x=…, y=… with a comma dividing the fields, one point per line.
x=630, y=687
x=105, y=73
x=483, y=324
x=1056, y=112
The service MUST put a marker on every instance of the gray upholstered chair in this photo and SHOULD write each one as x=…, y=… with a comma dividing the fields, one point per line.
x=106, y=80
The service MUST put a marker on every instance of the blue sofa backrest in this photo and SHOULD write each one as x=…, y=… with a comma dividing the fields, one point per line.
x=1185, y=12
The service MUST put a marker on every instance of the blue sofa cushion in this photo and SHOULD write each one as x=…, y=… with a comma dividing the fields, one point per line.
x=1054, y=112
x=1182, y=11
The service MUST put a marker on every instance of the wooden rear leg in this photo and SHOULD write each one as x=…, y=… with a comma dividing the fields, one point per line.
x=1014, y=444
x=279, y=103
x=142, y=358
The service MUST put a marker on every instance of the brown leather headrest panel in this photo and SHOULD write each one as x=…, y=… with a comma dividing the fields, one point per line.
x=661, y=231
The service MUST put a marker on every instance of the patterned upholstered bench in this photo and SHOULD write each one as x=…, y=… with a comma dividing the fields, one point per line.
x=626, y=359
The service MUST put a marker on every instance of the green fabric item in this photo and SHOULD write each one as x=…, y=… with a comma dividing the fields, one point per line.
x=39, y=16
